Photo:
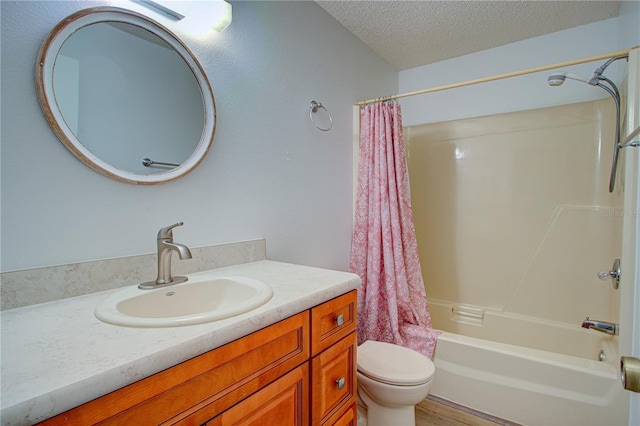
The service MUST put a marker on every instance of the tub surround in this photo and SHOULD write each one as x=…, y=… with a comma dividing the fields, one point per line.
x=525, y=193
x=500, y=193
x=58, y=355
x=39, y=285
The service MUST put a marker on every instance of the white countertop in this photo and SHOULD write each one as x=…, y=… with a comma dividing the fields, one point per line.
x=58, y=355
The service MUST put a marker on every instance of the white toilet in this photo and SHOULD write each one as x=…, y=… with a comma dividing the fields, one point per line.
x=391, y=380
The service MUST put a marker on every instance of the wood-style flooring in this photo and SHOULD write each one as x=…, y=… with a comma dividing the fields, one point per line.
x=435, y=411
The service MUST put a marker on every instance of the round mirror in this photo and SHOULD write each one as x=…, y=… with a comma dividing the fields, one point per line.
x=125, y=96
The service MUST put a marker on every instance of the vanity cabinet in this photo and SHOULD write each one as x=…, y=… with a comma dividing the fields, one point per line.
x=299, y=371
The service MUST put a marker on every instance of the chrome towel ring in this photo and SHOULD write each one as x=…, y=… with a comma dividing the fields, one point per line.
x=313, y=108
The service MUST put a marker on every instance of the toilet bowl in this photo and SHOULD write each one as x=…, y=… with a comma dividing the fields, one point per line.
x=391, y=380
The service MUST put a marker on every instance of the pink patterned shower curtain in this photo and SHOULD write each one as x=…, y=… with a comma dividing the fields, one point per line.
x=392, y=303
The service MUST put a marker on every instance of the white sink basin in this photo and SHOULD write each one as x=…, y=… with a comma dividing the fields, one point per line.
x=201, y=299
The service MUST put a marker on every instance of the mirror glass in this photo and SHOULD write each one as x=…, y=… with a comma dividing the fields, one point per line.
x=125, y=96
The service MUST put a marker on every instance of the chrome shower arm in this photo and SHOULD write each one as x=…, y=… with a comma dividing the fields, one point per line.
x=598, y=72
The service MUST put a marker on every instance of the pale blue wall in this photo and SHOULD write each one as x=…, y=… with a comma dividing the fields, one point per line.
x=269, y=174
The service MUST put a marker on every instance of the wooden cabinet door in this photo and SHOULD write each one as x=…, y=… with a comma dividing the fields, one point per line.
x=349, y=418
x=283, y=402
x=333, y=381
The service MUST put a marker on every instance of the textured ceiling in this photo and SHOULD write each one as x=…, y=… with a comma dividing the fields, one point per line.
x=408, y=34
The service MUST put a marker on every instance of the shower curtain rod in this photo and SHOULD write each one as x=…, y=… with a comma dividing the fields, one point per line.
x=500, y=76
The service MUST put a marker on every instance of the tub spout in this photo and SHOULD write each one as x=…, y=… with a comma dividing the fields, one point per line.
x=601, y=326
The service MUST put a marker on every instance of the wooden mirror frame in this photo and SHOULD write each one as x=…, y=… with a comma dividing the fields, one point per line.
x=45, y=91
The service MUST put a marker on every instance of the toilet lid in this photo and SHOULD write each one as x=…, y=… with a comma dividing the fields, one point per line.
x=393, y=364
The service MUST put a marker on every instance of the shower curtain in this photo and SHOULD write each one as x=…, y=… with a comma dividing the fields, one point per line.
x=392, y=303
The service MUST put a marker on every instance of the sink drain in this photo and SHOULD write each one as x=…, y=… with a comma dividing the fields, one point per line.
x=171, y=293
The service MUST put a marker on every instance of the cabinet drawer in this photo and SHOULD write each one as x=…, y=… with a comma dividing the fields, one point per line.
x=283, y=402
x=332, y=321
x=333, y=381
x=207, y=384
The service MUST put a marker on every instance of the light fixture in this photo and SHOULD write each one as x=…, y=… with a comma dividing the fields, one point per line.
x=196, y=15
x=223, y=13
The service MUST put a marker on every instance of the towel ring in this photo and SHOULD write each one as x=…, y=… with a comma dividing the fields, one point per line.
x=313, y=108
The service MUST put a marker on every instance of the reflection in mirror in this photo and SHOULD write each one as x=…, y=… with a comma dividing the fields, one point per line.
x=96, y=73
x=118, y=88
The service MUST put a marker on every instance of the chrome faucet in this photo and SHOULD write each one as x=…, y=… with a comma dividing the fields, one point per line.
x=165, y=247
x=602, y=326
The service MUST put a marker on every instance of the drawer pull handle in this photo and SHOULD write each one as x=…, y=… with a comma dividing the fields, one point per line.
x=339, y=320
x=340, y=382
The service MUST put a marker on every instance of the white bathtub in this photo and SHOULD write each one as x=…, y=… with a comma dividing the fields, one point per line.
x=528, y=385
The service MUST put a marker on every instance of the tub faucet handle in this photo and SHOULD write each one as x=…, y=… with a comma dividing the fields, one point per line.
x=613, y=274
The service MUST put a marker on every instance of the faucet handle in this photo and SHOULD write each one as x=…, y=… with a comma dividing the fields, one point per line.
x=167, y=232
x=613, y=274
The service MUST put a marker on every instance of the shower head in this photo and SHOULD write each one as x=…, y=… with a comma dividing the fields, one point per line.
x=556, y=79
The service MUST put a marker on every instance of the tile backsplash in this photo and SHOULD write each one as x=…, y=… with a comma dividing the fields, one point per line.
x=33, y=286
